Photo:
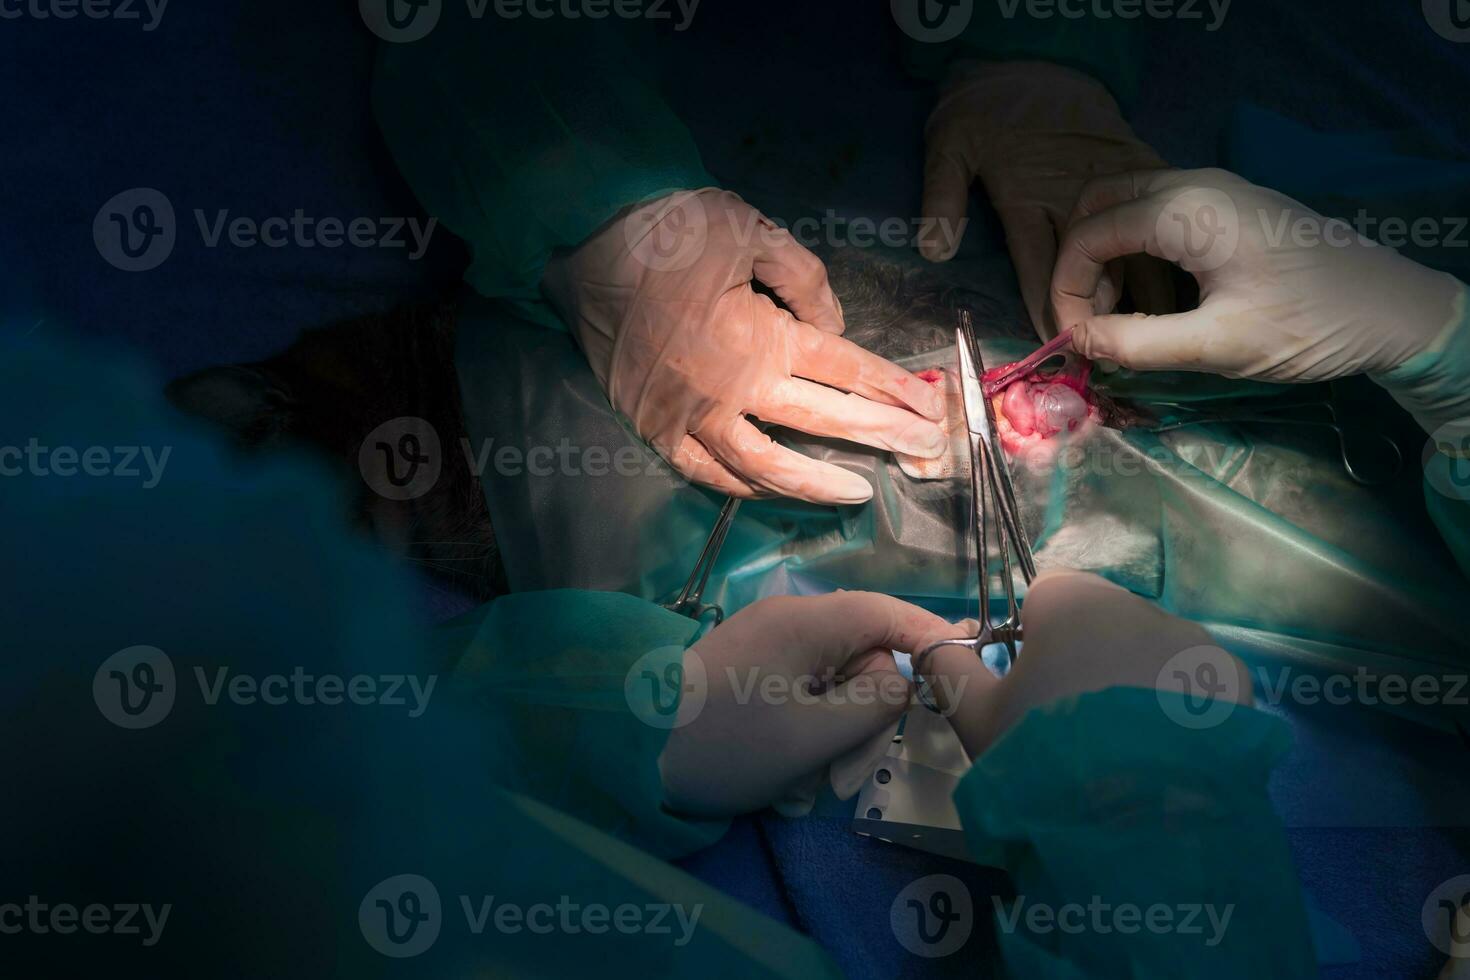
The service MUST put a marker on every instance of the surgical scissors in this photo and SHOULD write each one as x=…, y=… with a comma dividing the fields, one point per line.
x=994, y=499
x=688, y=601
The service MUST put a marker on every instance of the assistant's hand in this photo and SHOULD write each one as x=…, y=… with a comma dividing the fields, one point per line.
x=1034, y=133
x=1285, y=295
x=1083, y=634
x=795, y=685
x=662, y=303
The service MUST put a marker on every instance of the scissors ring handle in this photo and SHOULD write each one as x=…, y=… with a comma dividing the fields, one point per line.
x=974, y=643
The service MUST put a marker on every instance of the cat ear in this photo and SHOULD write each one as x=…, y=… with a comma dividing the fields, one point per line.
x=245, y=400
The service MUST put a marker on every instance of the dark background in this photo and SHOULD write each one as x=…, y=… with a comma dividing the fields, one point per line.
x=262, y=108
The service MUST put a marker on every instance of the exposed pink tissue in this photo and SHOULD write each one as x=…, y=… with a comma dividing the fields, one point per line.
x=1028, y=414
x=1019, y=406
x=1038, y=407
x=1058, y=408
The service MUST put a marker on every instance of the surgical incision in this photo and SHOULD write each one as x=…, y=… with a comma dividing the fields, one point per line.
x=1030, y=412
x=1037, y=407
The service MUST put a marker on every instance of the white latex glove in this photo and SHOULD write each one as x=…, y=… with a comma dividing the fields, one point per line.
x=1083, y=634
x=1284, y=294
x=794, y=685
x=661, y=302
x=1034, y=133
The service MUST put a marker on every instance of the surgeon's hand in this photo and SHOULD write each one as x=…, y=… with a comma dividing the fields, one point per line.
x=1285, y=295
x=1034, y=133
x=798, y=690
x=1083, y=634
x=661, y=301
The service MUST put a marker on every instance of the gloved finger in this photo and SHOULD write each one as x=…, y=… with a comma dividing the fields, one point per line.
x=824, y=411
x=1151, y=285
x=800, y=279
x=1180, y=342
x=1111, y=190
x=850, y=717
x=961, y=685
x=1052, y=593
x=853, y=725
x=1032, y=240
x=1137, y=637
x=842, y=364
x=947, y=179
x=1110, y=288
x=694, y=462
x=797, y=797
x=1093, y=242
x=965, y=627
x=759, y=461
x=834, y=629
x=851, y=770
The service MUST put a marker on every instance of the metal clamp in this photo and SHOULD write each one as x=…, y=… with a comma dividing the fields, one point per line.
x=688, y=601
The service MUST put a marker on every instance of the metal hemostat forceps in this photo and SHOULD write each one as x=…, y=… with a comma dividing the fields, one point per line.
x=996, y=512
x=910, y=798
x=688, y=601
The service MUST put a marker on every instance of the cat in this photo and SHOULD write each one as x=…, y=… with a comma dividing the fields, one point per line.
x=335, y=385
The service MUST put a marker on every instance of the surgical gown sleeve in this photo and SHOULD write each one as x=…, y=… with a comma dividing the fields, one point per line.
x=522, y=136
x=217, y=702
x=1107, y=50
x=575, y=678
x=1138, y=846
x=1450, y=508
x=1435, y=388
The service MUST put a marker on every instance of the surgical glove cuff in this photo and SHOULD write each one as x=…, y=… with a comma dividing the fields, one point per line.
x=605, y=289
x=1434, y=386
x=611, y=263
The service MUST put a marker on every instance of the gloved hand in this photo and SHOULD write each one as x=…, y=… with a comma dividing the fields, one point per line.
x=1083, y=634
x=1034, y=133
x=661, y=302
x=792, y=686
x=1285, y=295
